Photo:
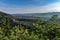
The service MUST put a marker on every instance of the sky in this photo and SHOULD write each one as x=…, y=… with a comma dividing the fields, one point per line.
x=29, y=6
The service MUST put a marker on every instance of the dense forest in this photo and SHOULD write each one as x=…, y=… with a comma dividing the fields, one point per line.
x=12, y=28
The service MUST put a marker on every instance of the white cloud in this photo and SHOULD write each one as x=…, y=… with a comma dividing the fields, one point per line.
x=55, y=7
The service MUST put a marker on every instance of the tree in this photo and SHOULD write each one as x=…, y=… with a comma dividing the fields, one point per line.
x=53, y=18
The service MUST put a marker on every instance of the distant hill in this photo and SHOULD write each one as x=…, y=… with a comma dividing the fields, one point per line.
x=38, y=14
x=24, y=19
x=4, y=18
x=5, y=14
x=16, y=19
x=42, y=15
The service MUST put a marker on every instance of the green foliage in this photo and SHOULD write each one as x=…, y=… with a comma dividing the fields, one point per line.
x=38, y=30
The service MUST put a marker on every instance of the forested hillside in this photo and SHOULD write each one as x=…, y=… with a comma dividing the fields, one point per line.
x=12, y=28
